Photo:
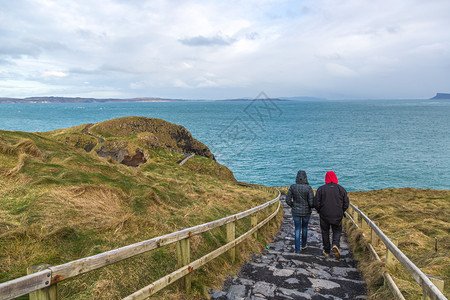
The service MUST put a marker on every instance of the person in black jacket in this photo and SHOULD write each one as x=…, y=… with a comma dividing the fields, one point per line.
x=331, y=201
x=300, y=198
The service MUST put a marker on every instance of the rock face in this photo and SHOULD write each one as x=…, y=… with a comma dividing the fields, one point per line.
x=441, y=96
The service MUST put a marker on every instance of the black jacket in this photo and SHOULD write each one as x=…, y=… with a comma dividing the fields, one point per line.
x=331, y=201
x=300, y=196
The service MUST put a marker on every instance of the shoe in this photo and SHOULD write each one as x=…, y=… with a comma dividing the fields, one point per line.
x=325, y=254
x=336, y=252
x=304, y=248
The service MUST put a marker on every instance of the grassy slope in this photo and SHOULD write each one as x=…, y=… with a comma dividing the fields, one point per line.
x=59, y=203
x=415, y=217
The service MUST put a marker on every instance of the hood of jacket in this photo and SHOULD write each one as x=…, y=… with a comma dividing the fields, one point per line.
x=301, y=177
x=331, y=177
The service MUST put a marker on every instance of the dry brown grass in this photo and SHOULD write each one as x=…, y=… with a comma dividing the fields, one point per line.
x=23, y=146
x=414, y=218
x=59, y=204
x=98, y=207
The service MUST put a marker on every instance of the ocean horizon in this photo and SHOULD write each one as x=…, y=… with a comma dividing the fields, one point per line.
x=370, y=144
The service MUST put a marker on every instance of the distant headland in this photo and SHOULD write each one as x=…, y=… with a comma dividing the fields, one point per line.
x=441, y=96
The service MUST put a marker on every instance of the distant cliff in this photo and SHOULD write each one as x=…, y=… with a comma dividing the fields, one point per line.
x=441, y=96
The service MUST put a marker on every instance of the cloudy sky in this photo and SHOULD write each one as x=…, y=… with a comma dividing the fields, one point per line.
x=225, y=49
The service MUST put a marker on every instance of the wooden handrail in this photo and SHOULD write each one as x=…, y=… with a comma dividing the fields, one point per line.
x=26, y=284
x=429, y=288
x=387, y=277
x=172, y=277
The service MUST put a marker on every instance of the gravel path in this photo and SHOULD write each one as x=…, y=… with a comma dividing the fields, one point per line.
x=279, y=273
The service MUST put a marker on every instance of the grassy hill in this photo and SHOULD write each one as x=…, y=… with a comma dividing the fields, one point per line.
x=60, y=201
x=416, y=218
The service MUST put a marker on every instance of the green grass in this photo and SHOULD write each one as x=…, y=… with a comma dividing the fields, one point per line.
x=60, y=203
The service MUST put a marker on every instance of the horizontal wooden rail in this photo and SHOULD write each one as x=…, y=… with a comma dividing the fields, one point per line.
x=387, y=277
x=172, y=277
x=26, y=284
x=429, y=288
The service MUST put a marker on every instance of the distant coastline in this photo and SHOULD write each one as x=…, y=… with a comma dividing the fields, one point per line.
x=52, y=99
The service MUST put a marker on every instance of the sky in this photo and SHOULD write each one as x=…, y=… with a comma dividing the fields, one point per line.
x=347, y=49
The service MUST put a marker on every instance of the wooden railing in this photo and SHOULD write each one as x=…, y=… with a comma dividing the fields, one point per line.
x=41, y=283
x=360, y=220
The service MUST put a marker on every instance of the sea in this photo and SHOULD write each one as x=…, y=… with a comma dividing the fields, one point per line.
x=369, y=144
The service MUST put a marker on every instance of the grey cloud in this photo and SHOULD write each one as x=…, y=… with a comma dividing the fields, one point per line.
x=112, y=68
x=200, y=40
x=252, y=36
x=32, y=47
x=45, y=44
x=5, y=62
x=392, y=29
x=82, y=71
x=19, y=50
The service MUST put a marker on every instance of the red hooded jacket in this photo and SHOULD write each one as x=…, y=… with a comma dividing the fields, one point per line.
x=331, y=200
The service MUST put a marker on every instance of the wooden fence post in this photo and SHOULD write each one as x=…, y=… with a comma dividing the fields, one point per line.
x=184, y=258
x=390, y=258
x=47, y=293
x=361, y=222
x=349, y=211
x=438, y=282
x=254, y=222
x=355, y=216
x=231, y=236
x=364, y=225
x=373, y=237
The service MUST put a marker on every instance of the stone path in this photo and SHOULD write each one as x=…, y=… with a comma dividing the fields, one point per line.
x=279, y=273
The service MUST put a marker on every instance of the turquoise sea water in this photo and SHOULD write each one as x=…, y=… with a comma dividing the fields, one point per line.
x=369, y=144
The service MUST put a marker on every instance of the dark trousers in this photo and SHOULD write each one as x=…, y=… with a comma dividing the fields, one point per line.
x=325, y=229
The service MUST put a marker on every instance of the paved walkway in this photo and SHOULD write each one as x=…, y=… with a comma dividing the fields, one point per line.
x=279, y=273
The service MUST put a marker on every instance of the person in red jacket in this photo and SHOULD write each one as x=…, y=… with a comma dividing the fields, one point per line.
x=331, y=201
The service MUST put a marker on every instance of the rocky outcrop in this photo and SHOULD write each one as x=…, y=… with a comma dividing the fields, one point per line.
x=127, y=140
x=152, y=133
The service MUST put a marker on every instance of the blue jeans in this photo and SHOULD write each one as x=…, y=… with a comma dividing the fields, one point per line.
x=301, y=224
